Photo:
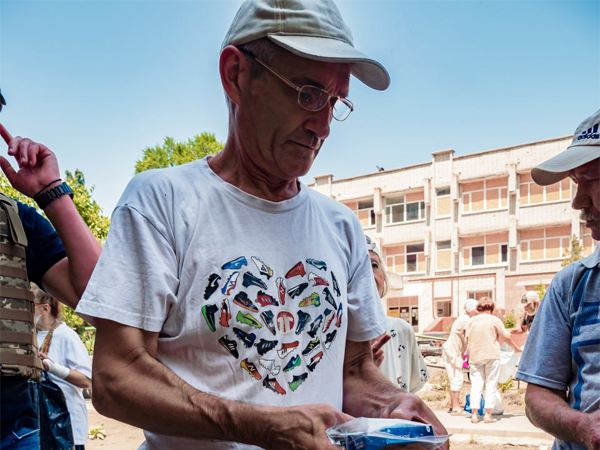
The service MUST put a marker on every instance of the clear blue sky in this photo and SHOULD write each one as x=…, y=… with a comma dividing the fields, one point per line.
x=98, y=81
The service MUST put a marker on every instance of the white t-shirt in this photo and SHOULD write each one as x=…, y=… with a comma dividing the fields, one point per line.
x=238, y=288
x=403, y=363
x=67, y=350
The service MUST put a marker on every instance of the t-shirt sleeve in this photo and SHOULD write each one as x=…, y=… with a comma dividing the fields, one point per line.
x=419, y=372
x=76, y=355
x=136, y=279
x=546, y=359
x=44, y=247
x=366, y=319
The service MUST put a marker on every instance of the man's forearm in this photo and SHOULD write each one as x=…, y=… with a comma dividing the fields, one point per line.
x=548, y=409
x=82, y=248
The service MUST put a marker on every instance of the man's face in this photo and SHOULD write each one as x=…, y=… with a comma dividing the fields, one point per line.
x=280, y=138
x=587, y=198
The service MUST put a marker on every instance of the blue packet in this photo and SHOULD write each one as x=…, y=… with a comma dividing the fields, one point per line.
x=375, y=434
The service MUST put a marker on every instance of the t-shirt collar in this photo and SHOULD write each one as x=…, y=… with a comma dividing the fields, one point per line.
x=593, y=260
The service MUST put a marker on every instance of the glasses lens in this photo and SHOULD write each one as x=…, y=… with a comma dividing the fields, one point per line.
x=341, y=110
x=312, y=98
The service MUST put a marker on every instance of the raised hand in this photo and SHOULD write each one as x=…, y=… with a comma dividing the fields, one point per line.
x=38, y=166
x=377, y=348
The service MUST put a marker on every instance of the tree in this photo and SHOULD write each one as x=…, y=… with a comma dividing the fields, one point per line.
x=575, y=253
x=173, y=153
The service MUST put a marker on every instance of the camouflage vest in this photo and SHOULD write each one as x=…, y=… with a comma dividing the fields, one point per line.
x=18, y=347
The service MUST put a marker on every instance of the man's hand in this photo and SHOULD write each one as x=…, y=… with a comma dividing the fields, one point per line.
x=302, y=427
x=589, y=431
x=37, y=164
x=377, y=348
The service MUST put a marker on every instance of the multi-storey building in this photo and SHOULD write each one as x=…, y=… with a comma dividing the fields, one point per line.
x=462, y=227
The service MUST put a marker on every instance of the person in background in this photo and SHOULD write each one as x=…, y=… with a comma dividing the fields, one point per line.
x=66, y=359
x=396, y=353
x=485, y=333
x=561, y=362
x=531, y=303
x=454, y=350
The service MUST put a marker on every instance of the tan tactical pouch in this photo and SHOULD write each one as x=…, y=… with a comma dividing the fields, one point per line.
x=18, y=346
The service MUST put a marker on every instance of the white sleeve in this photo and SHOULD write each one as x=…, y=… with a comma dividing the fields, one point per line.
x=135, y=282
x=419, y=372
x=75, y=355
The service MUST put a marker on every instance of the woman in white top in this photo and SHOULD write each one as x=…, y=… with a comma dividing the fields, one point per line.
x=66, y=359
x=396, y=353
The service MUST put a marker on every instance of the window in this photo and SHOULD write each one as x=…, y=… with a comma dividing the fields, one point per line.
x=486, y=250
x=480, y=294
x=443, y=202
x=405, y=258
x=485, y=195
x=366, y=213
x=400, y=209
x=444, y=255
x=530, y=193
x=546, y=243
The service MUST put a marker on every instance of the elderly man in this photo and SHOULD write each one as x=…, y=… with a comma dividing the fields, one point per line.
x=561, y=361
x=250, y=300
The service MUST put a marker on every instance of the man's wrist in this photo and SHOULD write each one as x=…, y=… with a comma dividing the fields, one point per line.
x=53, y=192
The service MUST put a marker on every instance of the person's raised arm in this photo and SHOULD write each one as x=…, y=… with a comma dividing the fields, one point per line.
x=368, y=394
x=38, y=172
x=131, y=385
x=548, y=409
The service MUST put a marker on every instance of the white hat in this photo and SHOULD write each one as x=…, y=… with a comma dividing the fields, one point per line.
x=530, y=297
x=372, y=247
x=312, y=29
x=470, y=305
x=584, y=148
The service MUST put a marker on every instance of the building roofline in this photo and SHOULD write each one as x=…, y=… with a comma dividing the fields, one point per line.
x=511, y=147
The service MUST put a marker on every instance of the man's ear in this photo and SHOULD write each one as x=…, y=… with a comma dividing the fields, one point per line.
x=235, y=72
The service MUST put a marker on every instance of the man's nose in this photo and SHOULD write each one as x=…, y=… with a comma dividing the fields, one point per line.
x=582, y=198
x=319, y=122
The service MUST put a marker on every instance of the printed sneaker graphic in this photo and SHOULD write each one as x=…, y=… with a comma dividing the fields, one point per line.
x=269, y=364
x=236, y=263
x=248, y=319
x=314, y=327
x=271, y=383
x=297, y=290
x=329, y=298
x=208, y=311
x=287, y=348
x=230, y=346
x=231, y=282
x=298, y=269
x=336, y=287
x=329, y=339
x=311, y=347
x=281, y=290
x=293, y=363
x=251, y=368
x=264, y=299
x=340, y=313
x=318, y=264
x=246, y=338
x=297, y=381
x=263, y=269
x=241, y=299
x=303, y=319
x=329, y=317
x=225, y=313
x=212, y=286
x=285, y=322
x=314, y=361
x=312, y=300
x=316, y=280
x=253, y=280
x=267, y=318
x=265, y=346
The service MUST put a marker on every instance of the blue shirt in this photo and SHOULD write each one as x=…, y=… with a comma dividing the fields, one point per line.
x=563, y=347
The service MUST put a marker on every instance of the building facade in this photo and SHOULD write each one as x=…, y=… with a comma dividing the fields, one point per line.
x=464, y=227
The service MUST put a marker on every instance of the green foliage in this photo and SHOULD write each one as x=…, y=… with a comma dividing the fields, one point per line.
x=541, y=290
x=510, y=320
x=86, y=332
x=503, y=387
x=173, y=153
x=575, y=253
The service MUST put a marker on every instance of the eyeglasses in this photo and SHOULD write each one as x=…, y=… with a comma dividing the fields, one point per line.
x=312, y=98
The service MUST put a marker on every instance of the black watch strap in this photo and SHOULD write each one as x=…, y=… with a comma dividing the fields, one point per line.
x=44, y=199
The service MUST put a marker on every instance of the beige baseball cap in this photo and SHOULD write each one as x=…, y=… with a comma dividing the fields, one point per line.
x=312, y=29
x=584, y=148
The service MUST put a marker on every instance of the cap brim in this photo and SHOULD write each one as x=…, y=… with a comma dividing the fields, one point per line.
x=557, y=168
x=366, y=69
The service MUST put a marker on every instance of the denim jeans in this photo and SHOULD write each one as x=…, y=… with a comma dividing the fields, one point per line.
x=22, y=439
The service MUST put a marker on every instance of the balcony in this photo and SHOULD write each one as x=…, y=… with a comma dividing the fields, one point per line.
x=544, y=214
x=483, y=222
